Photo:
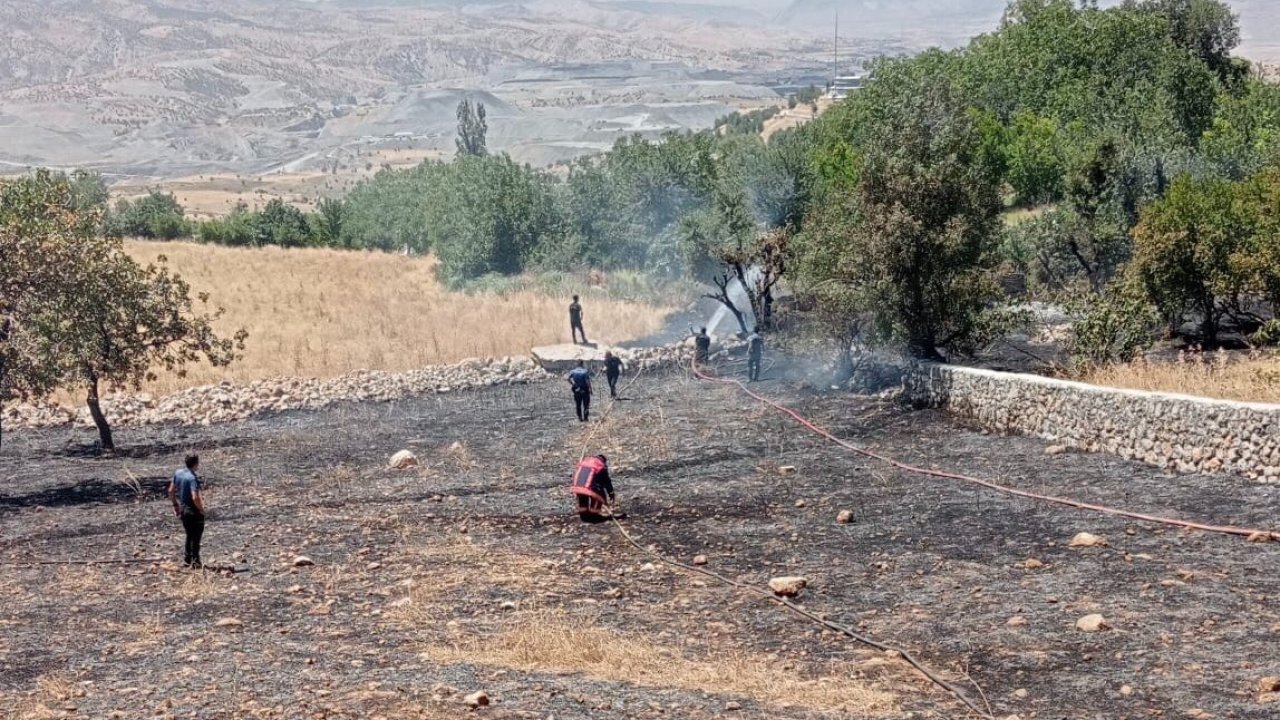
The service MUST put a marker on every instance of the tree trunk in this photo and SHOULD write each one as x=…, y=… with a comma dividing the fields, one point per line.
x=99, y=420
x=737, y=314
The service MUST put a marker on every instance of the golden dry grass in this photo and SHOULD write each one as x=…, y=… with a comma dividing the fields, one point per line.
x=322, y=313
x=554, y=642
x=1251, y=378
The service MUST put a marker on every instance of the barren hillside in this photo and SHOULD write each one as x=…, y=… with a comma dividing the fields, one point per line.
x=167, y=87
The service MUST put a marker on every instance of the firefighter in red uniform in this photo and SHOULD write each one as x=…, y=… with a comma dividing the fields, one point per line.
x=594, y=489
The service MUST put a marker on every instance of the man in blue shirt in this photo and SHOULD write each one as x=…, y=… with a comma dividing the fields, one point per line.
x=580, y=381
x=188, y=504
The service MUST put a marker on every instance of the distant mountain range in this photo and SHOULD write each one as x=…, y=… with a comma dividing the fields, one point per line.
x=957, y=20
x=161, y=87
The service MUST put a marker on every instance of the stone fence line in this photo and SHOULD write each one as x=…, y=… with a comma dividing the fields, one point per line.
x=1181, y=433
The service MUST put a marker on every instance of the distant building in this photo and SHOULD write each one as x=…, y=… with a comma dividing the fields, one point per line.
x=845, y=85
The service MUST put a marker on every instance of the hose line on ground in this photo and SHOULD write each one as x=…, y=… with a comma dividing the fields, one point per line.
x=845, y=630
x=1254, y=534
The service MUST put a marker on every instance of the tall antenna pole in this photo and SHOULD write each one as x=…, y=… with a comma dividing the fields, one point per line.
x=835, y=51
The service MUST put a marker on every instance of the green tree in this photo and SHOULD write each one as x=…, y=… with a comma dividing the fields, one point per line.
x=1034, y=159
x=915, y=253
x=281, y=224
x=329, y=223
x=156, y=216
x=1257, y=259
x=1183, y=248
x=1208, y=29
x=490, y=215
x=115, y=323
x=77, y=311
x=472, y=128
x=46, y=226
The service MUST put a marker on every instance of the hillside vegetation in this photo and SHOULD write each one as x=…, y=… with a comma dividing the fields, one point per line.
x=320, y=313
x=1144, y=156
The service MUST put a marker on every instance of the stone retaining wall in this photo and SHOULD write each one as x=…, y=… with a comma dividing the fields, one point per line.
x=1179, y=432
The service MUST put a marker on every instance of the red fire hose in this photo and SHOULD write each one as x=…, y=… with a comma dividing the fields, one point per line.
x=1253, y=534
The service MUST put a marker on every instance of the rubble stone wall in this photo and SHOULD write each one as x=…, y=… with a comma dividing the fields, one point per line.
x=1180, y=432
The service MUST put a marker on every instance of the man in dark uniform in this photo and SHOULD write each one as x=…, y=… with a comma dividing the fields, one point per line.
x=755, y=352
x=575, y=321
x=594, y=489
x=188, y=505
x=701, y=347
x=612, y=371
x=580, y=381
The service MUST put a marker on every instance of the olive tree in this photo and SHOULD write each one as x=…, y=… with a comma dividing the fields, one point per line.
x=117, y=323
x=915, y=248
x=43, y=231
x=77, y=312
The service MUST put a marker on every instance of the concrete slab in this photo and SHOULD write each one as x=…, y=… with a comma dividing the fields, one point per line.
x=563, y=358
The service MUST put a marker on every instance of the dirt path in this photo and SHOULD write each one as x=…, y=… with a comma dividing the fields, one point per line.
x=468, y=574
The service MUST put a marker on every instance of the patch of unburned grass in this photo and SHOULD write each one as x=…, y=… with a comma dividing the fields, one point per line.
x=555, y=642
x=1252, y=378
x=321, y=313
x=52, y=694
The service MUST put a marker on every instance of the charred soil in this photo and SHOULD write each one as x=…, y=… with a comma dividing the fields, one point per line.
x=469, y=572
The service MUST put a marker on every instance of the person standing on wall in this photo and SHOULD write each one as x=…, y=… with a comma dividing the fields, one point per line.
x=575, y=321
x=188, y=505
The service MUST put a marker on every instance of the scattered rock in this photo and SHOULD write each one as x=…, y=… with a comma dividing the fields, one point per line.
x=732, y=706
x=845, y=517
x=788, y=586
x=1125, y=690
x=1261, y=537
x=1092, y=623
x=303, y=561
x=1016, y=621
x=1085, y=539
x=507, y=605
x=800, y=503
x=1032, y=564
x=476, y=699
x=1269, y=684
x=228, y=622
x=1056, y=450
x=1020, y=693
x=699, y=559
x=787, y=470
x=403, y=459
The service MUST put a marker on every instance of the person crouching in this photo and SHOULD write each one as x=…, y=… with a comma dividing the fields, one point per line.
x=594, y=489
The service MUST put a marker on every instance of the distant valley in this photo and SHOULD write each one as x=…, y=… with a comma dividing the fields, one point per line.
x=153, y=89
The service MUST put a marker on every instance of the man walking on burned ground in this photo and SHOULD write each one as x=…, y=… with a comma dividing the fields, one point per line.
x=612, y=371
x=755, y=353
x=580, y=381
x=188, y=505
x=594, y=490
x=575, y=321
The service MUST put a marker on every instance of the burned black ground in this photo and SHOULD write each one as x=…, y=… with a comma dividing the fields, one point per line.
x=410, y=564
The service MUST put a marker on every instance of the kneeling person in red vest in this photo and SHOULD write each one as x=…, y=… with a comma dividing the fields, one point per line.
x=594, y=489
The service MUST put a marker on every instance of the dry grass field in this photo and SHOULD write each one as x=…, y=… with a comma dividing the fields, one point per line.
x=215, y=195
x=321, y=313
x=1251, y=378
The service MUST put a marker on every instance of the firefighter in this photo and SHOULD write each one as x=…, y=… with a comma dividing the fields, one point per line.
x=593, y=489
x=701, y=347
x=755, y=353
